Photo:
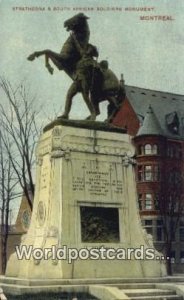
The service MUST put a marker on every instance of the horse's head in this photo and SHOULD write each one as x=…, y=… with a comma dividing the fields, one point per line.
x=76, y=23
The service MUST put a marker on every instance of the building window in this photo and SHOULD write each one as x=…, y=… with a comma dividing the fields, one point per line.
x=140, y=173
x=178, y=152
x=172, y=122
x=174, y=177
x=140, y=201
x=148, y=222
x=155, y=149
x=148, y=225
x=152, y=173
x=156, y=173
x=156, y=202
x=148, y=201
x=148, y=173
x=148, y=149
x=140, y=150
x=174, y=151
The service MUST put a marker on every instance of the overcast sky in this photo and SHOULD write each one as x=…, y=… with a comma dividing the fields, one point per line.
x=148, y=53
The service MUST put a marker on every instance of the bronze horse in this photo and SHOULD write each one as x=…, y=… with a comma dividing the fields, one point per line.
x=69, y=55
x=110, y=89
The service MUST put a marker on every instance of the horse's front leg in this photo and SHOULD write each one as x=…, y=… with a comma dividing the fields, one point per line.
x=48, y=66
x=59, y=60
x=36, y=54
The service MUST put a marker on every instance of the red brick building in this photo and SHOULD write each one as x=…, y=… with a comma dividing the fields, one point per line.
x=156, y=122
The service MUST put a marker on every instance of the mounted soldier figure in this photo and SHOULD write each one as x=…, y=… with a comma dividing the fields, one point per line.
x=77, y=59
x=87, y=72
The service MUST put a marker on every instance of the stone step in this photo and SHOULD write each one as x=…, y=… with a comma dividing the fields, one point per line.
x=84, y=281
x=148, y=292
x=130, y=286
x=169, y=297
x=14, y=280
x=15, y=289
x=151, y=294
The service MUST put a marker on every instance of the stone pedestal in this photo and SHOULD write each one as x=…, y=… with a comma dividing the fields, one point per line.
x=85, y=198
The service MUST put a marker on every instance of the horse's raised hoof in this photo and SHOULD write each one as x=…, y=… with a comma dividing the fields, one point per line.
x=50, y=69
x=31, y=57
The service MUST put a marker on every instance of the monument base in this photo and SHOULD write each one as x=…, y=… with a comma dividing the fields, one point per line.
x=85, y=221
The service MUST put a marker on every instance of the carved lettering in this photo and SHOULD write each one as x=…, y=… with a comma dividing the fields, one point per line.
x=97, y=182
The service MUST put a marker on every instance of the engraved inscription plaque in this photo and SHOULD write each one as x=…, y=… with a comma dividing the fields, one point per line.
x=102, y=180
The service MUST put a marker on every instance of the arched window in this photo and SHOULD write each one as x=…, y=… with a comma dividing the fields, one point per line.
x=155, y=149
x=148, y=149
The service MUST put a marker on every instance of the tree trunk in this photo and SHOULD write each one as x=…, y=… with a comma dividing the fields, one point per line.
x=168, y=259
x=4, y=240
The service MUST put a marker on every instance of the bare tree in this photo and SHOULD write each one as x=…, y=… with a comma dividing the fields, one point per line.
x=18, y=120
x=8, y=192
x=171, y=209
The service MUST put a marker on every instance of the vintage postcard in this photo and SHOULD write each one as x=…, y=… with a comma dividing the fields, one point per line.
x=91, y=144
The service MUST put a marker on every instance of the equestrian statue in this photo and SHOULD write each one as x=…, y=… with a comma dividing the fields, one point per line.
x=78, y=59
